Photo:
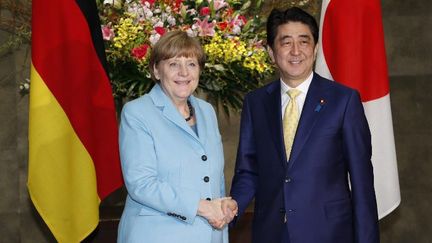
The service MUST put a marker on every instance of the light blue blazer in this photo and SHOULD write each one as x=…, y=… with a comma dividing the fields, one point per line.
x=167, y=169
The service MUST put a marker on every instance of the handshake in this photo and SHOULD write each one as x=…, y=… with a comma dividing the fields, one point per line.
x=218, y=212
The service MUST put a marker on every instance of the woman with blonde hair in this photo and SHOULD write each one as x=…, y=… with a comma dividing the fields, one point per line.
x=171, y=154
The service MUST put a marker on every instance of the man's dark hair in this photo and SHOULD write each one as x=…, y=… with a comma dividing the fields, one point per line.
x=279, y=17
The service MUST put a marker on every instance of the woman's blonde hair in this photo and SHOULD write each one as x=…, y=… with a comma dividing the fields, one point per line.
x=176, y=44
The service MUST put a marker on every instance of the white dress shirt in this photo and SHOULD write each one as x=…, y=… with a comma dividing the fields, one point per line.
x=303, y=87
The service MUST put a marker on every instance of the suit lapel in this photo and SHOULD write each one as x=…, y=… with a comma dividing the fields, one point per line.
x=273, y=112
x=200, y=121
x=312, y=109
x=170, y=112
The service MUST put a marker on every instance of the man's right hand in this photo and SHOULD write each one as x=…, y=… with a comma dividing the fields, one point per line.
x=229, y=208
x=218, y=212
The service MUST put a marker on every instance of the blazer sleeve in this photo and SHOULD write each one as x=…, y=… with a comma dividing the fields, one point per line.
x=358, y=150
x=140, y=171
x=244, y=182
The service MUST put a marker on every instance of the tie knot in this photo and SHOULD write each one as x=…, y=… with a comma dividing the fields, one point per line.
x=293, y=93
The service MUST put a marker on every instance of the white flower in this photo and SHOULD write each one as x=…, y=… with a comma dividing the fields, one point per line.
x=115, y=3
x=159, y=23
x=191, y=32
x=192, y=11
x=171, y=20
x=164, y=16
x=154, y=38
x=236, y=29
x=154, y=20
x=148, y=13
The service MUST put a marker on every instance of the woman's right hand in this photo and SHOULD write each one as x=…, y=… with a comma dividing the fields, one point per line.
x=212, y=211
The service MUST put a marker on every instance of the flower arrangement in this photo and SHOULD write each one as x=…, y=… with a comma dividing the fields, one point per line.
x=230, y=33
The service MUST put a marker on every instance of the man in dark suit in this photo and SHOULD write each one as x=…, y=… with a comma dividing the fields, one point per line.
x=305, y=148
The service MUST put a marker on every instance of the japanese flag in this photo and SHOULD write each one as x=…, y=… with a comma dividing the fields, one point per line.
x=351, y=51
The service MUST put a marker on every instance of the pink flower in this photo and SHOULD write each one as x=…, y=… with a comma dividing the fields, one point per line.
x=258, y=44
x=160, y=30
x=205, y=11
x=107, y=32
x=140, y=51
x=242, y=18
x=204, y=27
x=239, y=20
x=218, y=4
x=237, y=23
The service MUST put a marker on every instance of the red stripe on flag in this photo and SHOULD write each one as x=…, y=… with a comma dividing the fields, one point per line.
x=353, y=46
x=64, y=55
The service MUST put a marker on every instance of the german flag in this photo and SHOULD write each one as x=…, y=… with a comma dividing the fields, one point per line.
x=73, y=151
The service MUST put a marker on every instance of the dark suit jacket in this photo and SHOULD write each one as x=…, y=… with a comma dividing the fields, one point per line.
x=331, y=149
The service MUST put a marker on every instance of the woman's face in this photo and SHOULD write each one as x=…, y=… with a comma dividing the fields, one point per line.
x=178, y=77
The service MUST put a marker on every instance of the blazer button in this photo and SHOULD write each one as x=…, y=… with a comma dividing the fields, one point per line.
x=287, y=179
x=204, y=158
x=206, y=178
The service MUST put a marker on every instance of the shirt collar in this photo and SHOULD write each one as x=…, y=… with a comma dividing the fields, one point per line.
x=303, y=87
